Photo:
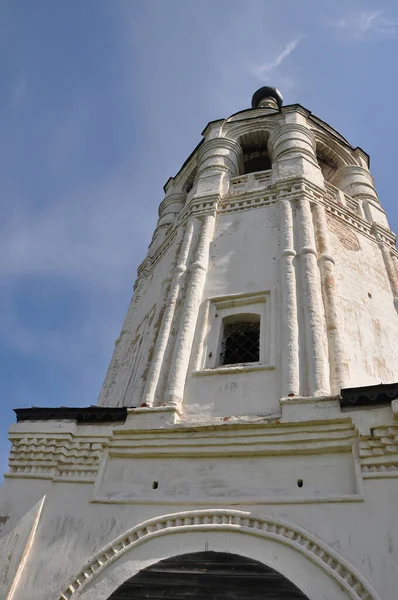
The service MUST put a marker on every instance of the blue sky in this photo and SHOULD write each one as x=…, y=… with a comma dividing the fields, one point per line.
x=100, y=102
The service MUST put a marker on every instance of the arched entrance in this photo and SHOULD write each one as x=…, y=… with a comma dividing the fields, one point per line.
x=208, y=576
x=304, y=560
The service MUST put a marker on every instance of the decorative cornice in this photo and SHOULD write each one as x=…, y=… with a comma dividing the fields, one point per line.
x=215, y=439
x=48, y=454
x=234, y=203
x=343, y=214
x=149, y=262
x=288, y=189
x=225, y=520
x=384, y=235
x=379, y=452
x=59, y=457
x=198, y=206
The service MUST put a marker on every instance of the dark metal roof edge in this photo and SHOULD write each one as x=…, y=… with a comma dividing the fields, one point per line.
x=88, y=414
x=370, y=395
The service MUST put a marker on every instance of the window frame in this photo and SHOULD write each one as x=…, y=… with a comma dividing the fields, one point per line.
x=238, y=319
x=232, y=307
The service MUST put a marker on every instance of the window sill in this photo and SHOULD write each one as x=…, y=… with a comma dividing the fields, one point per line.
x=238, y=368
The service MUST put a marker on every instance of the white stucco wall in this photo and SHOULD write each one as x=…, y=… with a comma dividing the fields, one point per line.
x=253, y=467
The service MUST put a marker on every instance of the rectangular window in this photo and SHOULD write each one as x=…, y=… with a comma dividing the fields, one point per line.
x=238, y=333
x=241, y=341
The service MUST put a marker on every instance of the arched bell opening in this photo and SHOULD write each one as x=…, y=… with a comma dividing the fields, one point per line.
x=255, y=153
x=327, y=164
x=208, y=576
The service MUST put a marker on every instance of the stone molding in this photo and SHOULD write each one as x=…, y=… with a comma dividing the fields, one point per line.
x=218, y=143
x=171, y=199
x=232, y=204
x=235, y=131
x=250, y=182
x=62, y=457
x=149, y=262
x=384, y=236
x=326, y=140
x=291, y=189
x=219, y=155
x=199, y=206
x=223, y=520
x=295, y=137
x=77, y=457
x=379, y=453
x=176, y=184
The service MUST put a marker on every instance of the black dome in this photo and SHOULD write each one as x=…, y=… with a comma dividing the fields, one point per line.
x=265, y=92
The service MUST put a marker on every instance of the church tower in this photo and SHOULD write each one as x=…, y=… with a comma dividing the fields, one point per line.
x=245, y=441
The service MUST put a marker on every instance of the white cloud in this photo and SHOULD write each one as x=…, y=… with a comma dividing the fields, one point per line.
x=260, y=70
x=366, y=25
x=275, y=71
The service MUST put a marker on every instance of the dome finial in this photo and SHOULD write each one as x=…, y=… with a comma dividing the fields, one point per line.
x=267, y=97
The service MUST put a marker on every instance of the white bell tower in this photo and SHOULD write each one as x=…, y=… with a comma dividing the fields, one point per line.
x=272, y=229
x=245, y=441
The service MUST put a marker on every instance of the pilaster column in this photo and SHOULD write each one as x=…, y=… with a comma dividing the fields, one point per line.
x=184, y=241
x=357, y=182
x=219, y=159
x=394, y=258
x=315, y=334
x=188, y=318
x=330, y=300
x=292, y=148
x=168, y=211
x=390, y=263
x=290, y=344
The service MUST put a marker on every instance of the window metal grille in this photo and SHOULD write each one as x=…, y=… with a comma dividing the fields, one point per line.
x=241, y=343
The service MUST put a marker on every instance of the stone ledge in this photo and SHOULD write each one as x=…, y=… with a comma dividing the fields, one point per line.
x=149, y=418
x=239, y=368
x=299, y=408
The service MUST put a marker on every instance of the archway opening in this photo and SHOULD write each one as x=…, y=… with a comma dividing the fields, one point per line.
x=255, y=153
x=208, y=576
x=328, y=166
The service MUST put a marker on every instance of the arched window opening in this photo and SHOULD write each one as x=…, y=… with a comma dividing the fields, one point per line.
x=255, y=153
x=327, y=165
x=255, y=160
x=210, y=575
x=240, y=339
x=188, y=185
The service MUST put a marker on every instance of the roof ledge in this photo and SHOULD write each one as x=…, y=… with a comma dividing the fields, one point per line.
x=370, y=396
